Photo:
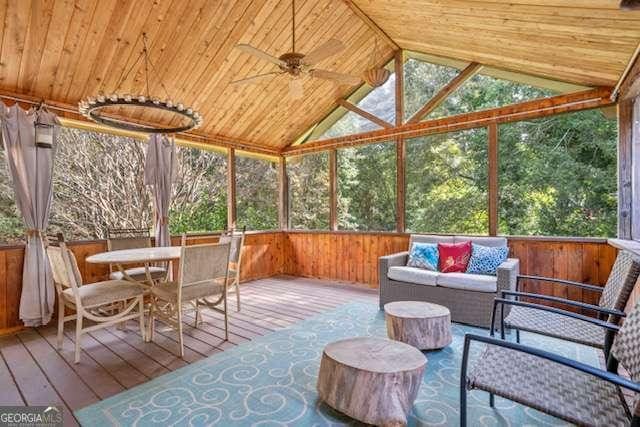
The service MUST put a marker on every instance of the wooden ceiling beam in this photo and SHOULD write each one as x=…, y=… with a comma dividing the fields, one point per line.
x=367, y=115
x=589, y=99
x=371, y=24
x=447, y=90
x=628, y=86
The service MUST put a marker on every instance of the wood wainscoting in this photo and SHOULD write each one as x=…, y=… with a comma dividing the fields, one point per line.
x=353, y=257
x=343, y=257
x=262, y=257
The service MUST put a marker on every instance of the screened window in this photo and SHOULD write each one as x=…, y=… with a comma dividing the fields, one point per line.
x=98, y=184
x=350, y=123
x=422, y=80
x=482, y=92
x=446, y=183
x=199, y=200
x=367, y=187
x=558, y=176
x=257, y=193
x=308, y=177
x=11, y=226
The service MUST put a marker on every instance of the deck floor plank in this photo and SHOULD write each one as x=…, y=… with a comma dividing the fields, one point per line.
x=34, y=371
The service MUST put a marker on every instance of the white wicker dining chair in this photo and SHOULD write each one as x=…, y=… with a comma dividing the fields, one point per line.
x=236, y=239
x=87, y=299
x=132, y=238
x=203, y=274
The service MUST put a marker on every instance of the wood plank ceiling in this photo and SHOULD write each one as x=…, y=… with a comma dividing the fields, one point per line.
x=64, y=50
x=588, y=42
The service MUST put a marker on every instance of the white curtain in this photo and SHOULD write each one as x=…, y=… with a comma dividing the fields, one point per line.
x=159, y=173
x=31, y=168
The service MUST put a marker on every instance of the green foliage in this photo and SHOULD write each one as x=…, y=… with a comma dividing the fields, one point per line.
x=202, y=216
x=257, y=194
x=367, y=187
x=446, y=178
x=308, y=178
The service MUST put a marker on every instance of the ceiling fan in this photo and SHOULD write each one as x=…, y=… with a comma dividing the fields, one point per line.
x=630, y=4
x=297, y=64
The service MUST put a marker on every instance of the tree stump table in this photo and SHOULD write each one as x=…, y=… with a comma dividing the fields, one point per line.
x=423, y=325
x=374, y=380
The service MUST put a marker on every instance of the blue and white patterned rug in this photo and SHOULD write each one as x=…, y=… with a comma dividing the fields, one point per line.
x=271, y=381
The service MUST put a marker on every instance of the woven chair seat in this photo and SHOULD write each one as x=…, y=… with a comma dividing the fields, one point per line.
x=556, y=389
x=139, y=274
x=102, y=293
x=168, y=291
x=555, y=325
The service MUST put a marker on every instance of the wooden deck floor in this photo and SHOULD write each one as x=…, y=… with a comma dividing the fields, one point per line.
x=34, y=372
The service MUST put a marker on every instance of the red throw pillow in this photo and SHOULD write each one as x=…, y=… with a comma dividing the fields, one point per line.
x=454, y=257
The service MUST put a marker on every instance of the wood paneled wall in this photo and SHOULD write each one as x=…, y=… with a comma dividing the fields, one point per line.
x=262, y=257
x=353, y=257
x=343, y=256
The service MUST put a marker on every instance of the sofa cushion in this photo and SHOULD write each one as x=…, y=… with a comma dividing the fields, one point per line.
x=485, y=259
x=482, y=240
x=454, y=257
x=469, y=282
x=424, y=255
x=415, y=275
x=429, y=238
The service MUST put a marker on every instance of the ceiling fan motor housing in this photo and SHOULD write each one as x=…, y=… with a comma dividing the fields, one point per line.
x=293, y=63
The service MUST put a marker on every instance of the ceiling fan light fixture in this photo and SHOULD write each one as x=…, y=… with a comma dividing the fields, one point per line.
x=630, y=4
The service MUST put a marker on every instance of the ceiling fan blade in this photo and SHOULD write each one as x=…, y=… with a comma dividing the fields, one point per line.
x=296, y=90
x=254, y=79
x=331, y=75
x=630, y=4
x=325, y=50
x=260, y=54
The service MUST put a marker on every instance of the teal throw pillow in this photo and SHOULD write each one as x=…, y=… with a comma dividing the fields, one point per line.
x=424, y=255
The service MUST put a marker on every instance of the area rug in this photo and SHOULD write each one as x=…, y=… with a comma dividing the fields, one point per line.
x=271, y=381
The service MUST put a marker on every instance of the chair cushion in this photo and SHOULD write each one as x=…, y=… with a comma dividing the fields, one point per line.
x=424, y=255
x=101, y=293
x=549, y=387
x=469, y=282
x=454, y=257
x=168, y=291
x=415, y=275
x=486, y=259
x=555, y=325
x=138, y=273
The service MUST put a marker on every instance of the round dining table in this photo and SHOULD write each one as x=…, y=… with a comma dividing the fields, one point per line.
x=145, y=256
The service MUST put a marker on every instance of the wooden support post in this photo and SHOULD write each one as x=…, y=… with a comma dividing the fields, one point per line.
x=635, y=166
x=625, y=135
x=493, y=179
x=447, y=90
x=333, y=190
x=283, y=193
x=400, y=144
x=231, y=188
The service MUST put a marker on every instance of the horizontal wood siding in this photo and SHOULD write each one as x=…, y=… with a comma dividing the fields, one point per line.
x=262, y=257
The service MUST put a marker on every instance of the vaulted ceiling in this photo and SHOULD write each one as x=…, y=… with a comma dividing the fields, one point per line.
x=64, y=50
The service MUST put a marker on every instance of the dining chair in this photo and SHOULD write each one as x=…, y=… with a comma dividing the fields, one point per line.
x=203, y=274
x=87, y=299
x=132, y=238
x=236, y=239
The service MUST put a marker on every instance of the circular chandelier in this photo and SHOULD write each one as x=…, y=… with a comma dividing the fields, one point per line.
x=93, y=107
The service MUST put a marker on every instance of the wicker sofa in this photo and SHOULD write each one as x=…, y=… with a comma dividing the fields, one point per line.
x=469, y=297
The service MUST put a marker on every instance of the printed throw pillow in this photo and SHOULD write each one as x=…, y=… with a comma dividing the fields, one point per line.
x=424, y=255
x=454, y=257
x=485, y=259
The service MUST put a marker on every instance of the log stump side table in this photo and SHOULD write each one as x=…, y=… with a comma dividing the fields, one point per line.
x=374, y=380
x=423, y=325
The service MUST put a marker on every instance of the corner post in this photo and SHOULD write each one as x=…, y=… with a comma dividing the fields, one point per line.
x=333, y=190
x=283, y=193
x=492, y=188
x=400, y=145
x=231, y=188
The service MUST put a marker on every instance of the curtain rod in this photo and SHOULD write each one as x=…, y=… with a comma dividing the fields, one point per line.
x=30, y=101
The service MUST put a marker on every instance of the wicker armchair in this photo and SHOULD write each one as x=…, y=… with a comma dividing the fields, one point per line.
x=561, y=387
x=567, y=325
x=236, y=239
x=131, y=238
